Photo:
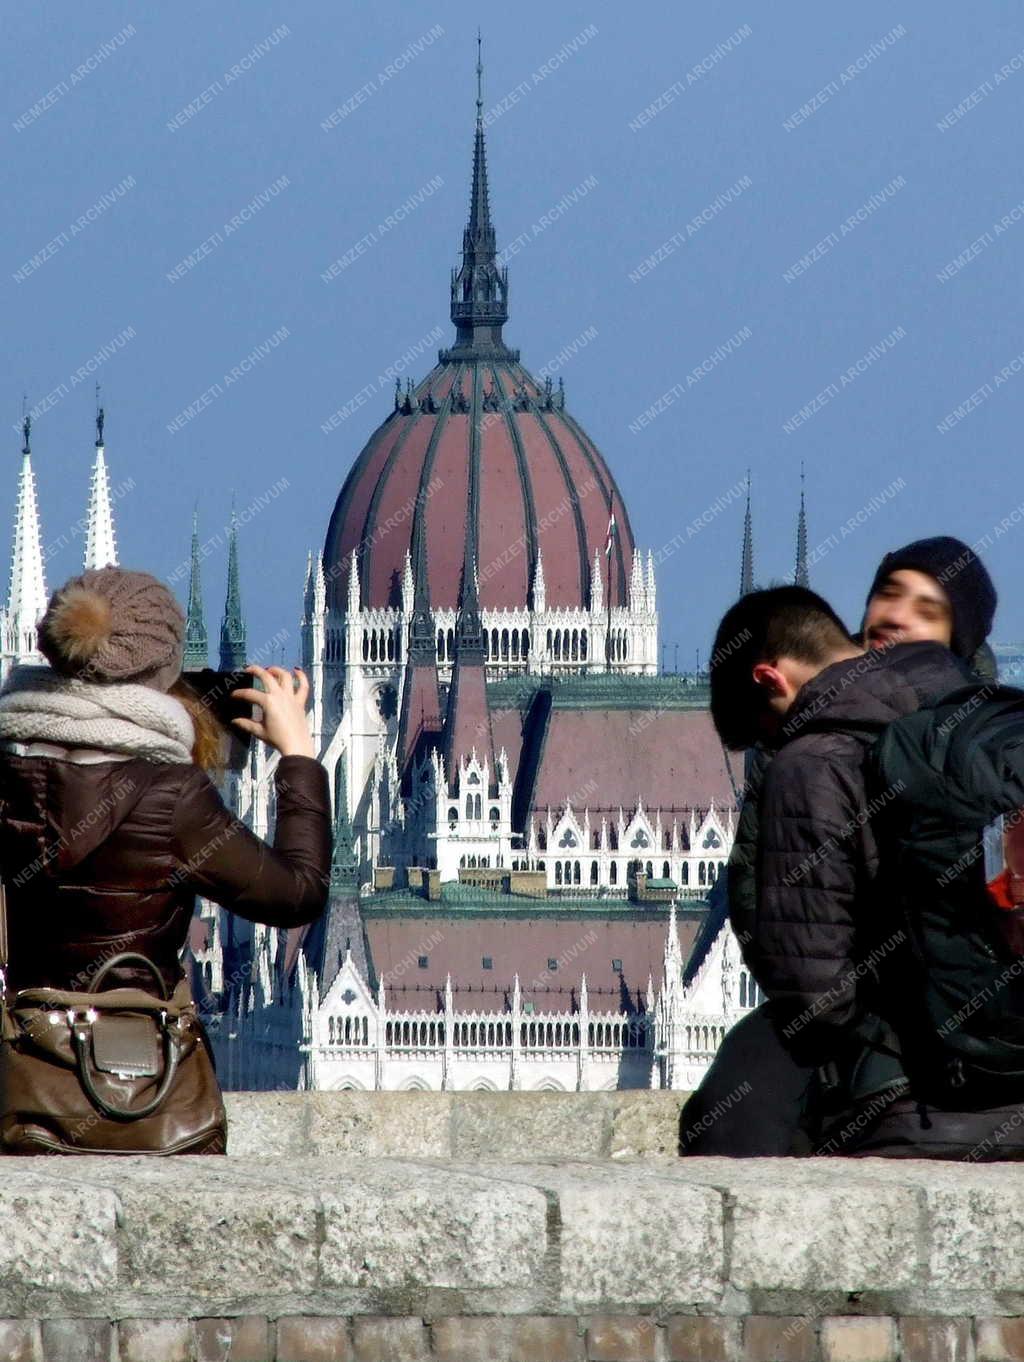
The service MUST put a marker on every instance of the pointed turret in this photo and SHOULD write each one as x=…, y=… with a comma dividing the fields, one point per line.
x=747, y=561
x=232, y=628
x=100, y=546
x=651, y=588
x=801, y=577
x=636, y=583
x=27, y=597
x=596, y=585
x=467, y=728
x=421, y=713
x=479, y=306
x=344, y=863
x=539, y=588
x=196, y=646
x=353, y=585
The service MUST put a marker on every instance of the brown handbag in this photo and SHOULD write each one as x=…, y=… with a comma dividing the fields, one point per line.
x=116, y=1071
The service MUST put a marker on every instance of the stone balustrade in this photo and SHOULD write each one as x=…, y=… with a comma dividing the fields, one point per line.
x=484, y=1227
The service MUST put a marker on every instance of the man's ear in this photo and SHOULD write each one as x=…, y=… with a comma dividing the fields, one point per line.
x=766, y=675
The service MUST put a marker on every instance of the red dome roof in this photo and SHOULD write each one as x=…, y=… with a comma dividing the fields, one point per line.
x=540, y=484
x=479, y=464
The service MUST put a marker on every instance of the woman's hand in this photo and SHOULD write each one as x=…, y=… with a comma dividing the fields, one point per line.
x=284, y=710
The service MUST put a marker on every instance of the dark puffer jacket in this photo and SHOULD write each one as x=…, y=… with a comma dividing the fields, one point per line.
x=823, y=945
x=100, y=857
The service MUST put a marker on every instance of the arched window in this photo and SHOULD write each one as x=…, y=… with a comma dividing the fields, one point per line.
x=495, y=817
x=702, y=874
x=575, y=645
x=583, y=644
x=558, y=872
x=575, y=872
x=515, y=645
x=469, y=806
x=549, y=643
x=526, y=643
x=613, y=873
x=451, y=644
x=504, y=645
x=558, y=645
x=366, y=646
x=686, y=872
x=593, y=872
x=330, y=1030
x=478, y=806
x=650, y=872
x=453, y=814
x=665, y=872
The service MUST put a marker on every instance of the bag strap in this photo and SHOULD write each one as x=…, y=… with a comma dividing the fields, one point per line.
x=3, y=941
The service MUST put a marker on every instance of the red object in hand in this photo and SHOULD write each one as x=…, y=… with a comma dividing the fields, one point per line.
x=1003, y=841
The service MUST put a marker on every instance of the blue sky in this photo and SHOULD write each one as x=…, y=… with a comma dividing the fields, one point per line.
x=782, y=174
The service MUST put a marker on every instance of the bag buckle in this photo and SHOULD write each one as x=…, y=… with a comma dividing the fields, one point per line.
x=81, y=1016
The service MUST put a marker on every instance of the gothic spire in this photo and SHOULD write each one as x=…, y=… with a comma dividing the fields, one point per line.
x=747, y=562
x=479, y=306
x=196, y=650
x=232, y=629
x=344, y=863
x=27, y=598
x=100, y=545
x=802, y=576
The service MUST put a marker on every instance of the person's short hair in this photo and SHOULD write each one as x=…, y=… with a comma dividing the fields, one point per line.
x=780, y=621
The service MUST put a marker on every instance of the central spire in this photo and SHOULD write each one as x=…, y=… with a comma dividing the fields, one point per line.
x=480, y=285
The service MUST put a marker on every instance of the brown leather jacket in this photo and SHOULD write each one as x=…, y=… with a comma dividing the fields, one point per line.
x=107, y=856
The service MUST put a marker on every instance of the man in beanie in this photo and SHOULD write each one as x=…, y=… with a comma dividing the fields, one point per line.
x=933, y=590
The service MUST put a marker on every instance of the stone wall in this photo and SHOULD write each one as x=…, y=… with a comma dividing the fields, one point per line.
x=383, y=1227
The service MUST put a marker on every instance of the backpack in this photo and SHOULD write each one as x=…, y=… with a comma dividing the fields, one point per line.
x=948, y=786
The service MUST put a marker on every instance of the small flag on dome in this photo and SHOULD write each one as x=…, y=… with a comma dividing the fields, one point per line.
x=610, y=536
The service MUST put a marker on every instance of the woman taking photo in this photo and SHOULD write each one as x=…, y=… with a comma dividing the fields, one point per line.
x=108, y=830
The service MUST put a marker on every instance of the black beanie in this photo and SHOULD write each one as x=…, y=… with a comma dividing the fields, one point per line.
x=963, y=577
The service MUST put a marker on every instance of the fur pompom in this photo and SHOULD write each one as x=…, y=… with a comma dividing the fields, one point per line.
x=81, y=623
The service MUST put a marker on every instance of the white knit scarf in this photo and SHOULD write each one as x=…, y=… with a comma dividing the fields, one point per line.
x=38, y=705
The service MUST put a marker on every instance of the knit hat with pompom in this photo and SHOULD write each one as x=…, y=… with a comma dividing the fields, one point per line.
x=111, y=624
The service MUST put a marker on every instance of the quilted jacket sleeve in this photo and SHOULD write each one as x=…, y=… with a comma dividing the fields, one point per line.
x=281, y=885
x=811, y=870
x=742, y=868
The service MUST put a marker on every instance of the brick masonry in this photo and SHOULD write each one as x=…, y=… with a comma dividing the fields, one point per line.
x=512, y=1338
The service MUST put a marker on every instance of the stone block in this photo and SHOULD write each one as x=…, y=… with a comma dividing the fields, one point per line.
x=858, y=1338
x=77, y=1340
x=790, y=1233
x=312, y=1338
x=645, y=1124
x=977, y=1233
x=1000, y=1339
x=267, y=1124
x=380, y=1125
x=668, y=1248
x=391, y=1225
x=57, y=1236
x=245, y=1339
x=517, y=1125
x=780, y=1338
x=20, y=1341
x=622, y=1338
x=927, y=1339
x=701, y=1338
x=389, y=1340
x=207, y=1228
x=145, y=1340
